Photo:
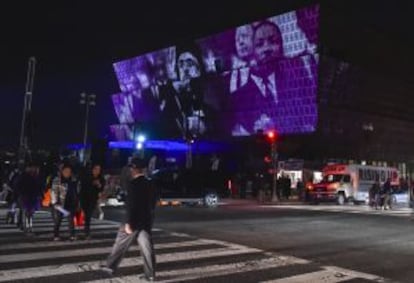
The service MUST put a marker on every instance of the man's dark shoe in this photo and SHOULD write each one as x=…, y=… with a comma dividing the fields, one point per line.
x=147, y=278
x=105, y=269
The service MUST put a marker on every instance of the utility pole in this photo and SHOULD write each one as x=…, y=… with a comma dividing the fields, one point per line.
x=189, y=154
x=275, y=197
x=89, y=100
x=27, y=108
x=272, y=136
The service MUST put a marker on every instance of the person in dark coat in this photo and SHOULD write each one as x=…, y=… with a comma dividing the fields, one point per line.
x=92, y=186
x=386, y=193
x=139, y=219
x=374, y=194
x=29, y=194
x=64, y=198
x=287, y=186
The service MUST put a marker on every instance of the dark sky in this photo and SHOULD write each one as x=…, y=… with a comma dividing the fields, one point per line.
x=77, y=42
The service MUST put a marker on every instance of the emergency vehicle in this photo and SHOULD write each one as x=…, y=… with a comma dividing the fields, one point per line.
x=350, y=183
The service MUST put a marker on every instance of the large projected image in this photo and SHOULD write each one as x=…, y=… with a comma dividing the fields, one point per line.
x=258, y=76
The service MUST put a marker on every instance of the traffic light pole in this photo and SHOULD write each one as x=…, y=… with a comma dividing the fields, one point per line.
x=275, y=197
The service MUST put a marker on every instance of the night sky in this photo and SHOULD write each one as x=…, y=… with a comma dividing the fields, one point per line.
x=77, y=42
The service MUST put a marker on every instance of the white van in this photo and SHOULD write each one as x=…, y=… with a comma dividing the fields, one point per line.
x=344, y=183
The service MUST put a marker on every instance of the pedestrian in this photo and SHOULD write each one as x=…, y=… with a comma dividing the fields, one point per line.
x=30, y=194
x=92, y=186
x=139, y=219
x=64, y=198
x=374, y=194
x=279, y=187
x=125, y=177
x=101, y=200
x=14, y=214
x=386, y=195
x=300, y=188
x=286, y=186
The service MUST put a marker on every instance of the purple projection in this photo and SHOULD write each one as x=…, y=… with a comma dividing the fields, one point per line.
x=258, y=76
x=123, y=104
x=120, y=132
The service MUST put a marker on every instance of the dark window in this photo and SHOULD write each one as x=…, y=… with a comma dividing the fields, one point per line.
x=347, y=179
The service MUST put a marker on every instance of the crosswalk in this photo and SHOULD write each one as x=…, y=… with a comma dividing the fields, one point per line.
x=351, y=209
x=180, y=258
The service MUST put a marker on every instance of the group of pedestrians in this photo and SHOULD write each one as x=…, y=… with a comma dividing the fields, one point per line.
x=284, y=186
x=25, y=195
x=380, y=196
x=70, y=195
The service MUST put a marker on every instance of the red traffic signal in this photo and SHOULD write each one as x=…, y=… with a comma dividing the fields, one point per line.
x=271, y=135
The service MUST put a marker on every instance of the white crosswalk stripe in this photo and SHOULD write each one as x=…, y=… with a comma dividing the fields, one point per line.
x=328, y=274
x=216, y=270
x=313, y=277
x=351, y=209
x=180, y=257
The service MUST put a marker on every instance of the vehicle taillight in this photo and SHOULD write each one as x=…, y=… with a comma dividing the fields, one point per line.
x=333, y=186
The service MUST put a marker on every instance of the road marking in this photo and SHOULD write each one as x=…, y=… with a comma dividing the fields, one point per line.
x=22, y=246
x=106, y=250
x=211, y=270
x=50, y=228
x=329, y=274
x=235, y=259
x=355, y=274
x=51, y=270
x=322, y=276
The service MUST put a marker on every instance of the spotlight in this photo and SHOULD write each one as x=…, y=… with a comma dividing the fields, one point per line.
x=139, y=145
x=141, y=138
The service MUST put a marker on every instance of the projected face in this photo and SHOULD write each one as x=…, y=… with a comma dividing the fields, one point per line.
x=244, y=41
x=160, y=68
x=267, y=43
x=258, y=76
x=188, y=66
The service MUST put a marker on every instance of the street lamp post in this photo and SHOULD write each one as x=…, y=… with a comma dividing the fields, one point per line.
x=89, y=100
x=27, y=108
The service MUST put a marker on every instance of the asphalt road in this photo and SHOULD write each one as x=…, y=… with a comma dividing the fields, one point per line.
x=380, y=244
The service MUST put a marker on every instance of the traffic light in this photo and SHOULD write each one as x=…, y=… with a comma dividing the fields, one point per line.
x=271, y=136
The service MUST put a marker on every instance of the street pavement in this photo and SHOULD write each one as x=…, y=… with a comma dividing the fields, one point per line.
x=352, y=237
x=181, y=257
x=352, y=209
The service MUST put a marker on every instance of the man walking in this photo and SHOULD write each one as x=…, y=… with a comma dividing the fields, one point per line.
x=64, y=199
x=139, y=218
